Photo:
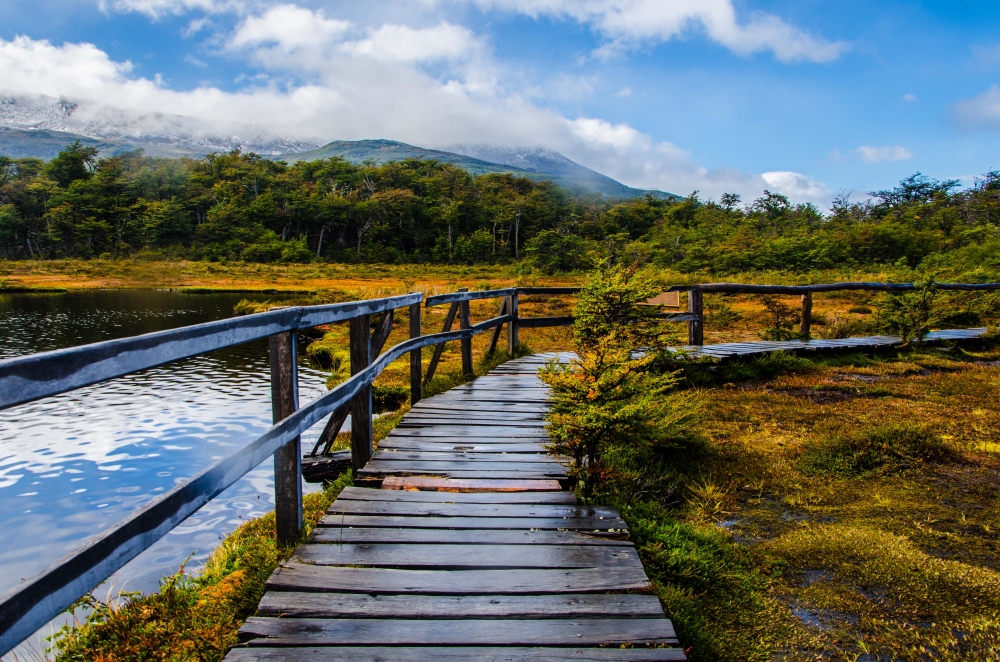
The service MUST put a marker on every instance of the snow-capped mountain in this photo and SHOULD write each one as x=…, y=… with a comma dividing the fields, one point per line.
x=159, y=134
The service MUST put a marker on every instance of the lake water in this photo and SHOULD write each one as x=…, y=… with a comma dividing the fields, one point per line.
x=75, y=464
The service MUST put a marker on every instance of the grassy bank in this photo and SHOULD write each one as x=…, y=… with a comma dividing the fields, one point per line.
x=843, y=508
x=194, y=616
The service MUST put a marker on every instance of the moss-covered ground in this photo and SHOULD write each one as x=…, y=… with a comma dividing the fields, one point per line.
x=842, y=508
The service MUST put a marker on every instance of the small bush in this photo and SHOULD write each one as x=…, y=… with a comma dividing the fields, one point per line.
x=764, y=367
x=388, y=398
x=877, y=450
x=860, y=310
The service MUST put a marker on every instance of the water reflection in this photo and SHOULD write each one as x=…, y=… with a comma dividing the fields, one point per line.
x=74, y=464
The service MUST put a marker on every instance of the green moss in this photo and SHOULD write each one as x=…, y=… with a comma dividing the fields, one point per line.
x=876, y=450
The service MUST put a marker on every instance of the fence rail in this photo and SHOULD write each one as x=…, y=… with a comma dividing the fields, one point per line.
x=27, y=607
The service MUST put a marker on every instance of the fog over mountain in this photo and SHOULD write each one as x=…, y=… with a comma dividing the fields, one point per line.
x=159, y=134
x=40, y=126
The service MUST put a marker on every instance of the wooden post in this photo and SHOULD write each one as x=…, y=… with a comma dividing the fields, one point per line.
x=361, y=405
x=416, y=387
x=696, y=328
x=805, y=324
x=465, y=322
x=439, y=348
x=495, y=336
x=512, y=339
x=288, y=459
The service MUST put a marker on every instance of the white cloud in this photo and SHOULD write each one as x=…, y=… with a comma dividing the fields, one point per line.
x=624, y=92
x=156, y=9
x=798, y=187
x=400, y=43
x=192, y=60
x=980, y=112
x=870, y=154
x=909, y=98
x=288, y=27
x=627, y=23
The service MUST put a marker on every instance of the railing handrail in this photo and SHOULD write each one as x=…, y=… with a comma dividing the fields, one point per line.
x=744, y=288
x=27, y=378
x=27, y=607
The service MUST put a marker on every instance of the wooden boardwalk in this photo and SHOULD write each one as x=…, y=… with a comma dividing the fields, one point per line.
x=473, y=548
x=740, y=350
x=504, y=565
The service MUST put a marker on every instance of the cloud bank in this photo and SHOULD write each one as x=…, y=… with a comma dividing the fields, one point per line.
x=630, y=23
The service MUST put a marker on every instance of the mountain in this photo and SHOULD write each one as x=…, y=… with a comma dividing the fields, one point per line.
x=535, y=163
x=41, y=144
x=36, y=118
x=39, y=126
x=384, y=151
x=553, y=164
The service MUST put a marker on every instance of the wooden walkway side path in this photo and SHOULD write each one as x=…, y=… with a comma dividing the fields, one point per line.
x=740, y=350
x=472, y=550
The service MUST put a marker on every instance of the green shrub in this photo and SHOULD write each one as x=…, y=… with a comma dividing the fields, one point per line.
x=608, y=396
x=551, y=251
x=910, y=315
x=877, y=450
x=388, y=398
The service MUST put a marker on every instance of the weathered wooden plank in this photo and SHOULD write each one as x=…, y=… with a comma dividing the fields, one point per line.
x=464, y=557
x=464, y=536
x=458, y=485
x=458, y=632
x=452, y=653
x=539, y=456
x=351, y=605
x=540, y=523
x=408, y=444
x=418, y=509
x=364, y=494
x=378, y=465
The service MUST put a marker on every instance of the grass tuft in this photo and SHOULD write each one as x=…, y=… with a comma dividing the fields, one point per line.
x=190, y=617
x=878, y=450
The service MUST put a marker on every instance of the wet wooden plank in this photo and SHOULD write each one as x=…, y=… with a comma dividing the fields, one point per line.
x=364, y=494
x=487, y=632
x=509, y=466
x=435, y=607
x=339, y=535
x=530, y=581
x=539, y=456
x=506, y=510
x=464, y=557
x=540, y=523
x=459, y=446
x=460, y=485
x=451, y=654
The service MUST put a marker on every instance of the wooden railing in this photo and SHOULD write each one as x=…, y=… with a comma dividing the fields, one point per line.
x=696, y=329
x=27, y=607
x=30, y=605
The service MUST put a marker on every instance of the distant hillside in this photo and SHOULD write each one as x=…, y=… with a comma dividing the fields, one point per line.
x=537, y=164
x=19, y=143
x=384, y=151
x=568, y=173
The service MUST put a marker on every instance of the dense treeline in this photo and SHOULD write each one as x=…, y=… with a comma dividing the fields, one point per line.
x=244, y=207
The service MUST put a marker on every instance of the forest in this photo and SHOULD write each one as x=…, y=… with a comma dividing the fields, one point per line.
x=243, y=207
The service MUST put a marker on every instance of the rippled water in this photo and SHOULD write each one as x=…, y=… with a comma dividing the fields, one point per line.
x=74, y=464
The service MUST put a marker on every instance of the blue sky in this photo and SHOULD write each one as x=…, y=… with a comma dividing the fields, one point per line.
x=809, y=98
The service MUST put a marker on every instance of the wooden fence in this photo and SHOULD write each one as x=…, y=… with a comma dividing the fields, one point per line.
x=30, y=605
x=696, y=298
x=33, y=603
